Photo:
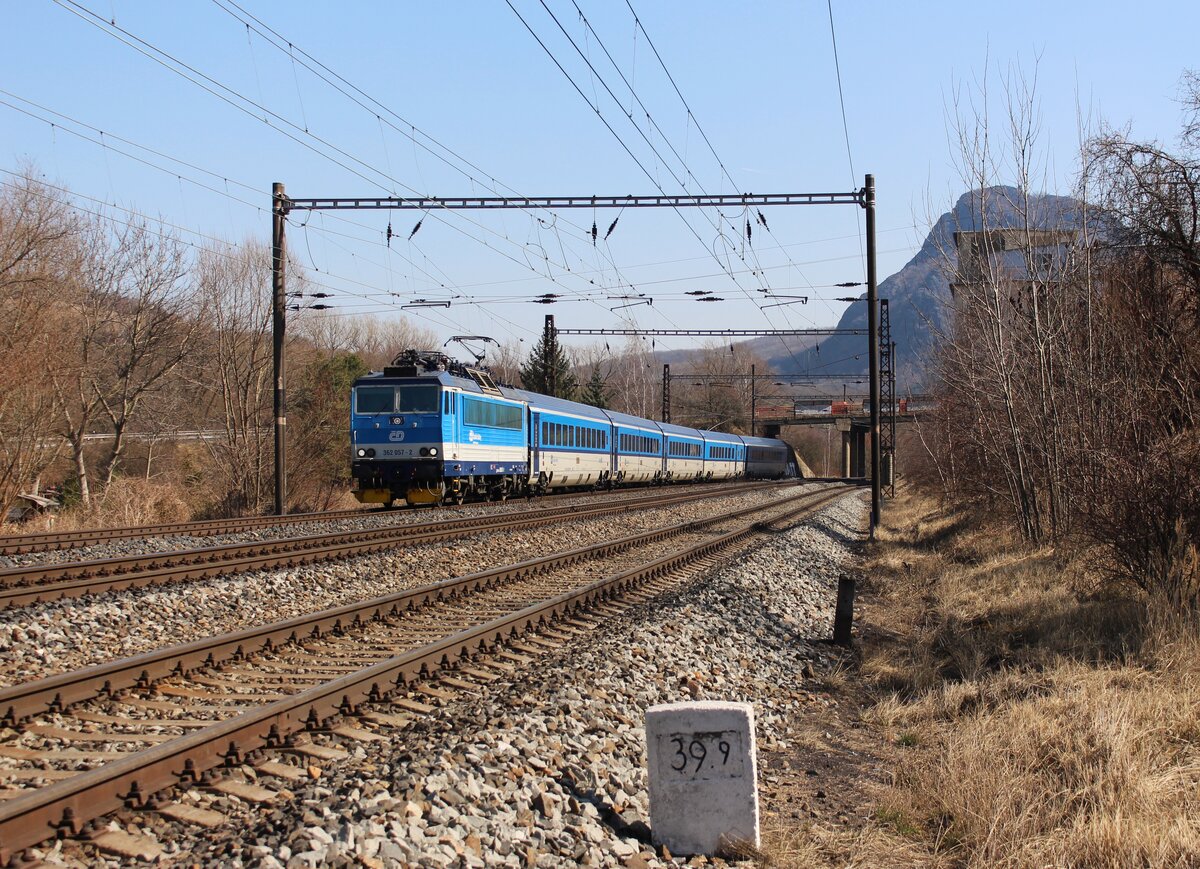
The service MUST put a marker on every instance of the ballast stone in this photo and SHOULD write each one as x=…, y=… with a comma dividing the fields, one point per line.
x=703, y=775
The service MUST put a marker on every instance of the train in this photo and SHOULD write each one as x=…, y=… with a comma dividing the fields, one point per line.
x=430, y=430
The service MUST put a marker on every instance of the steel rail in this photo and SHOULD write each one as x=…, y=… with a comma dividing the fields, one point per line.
x=52, y=541
x=67, y=805
x=36, y=583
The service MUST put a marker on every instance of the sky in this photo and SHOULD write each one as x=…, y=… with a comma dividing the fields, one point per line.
x=517, y=97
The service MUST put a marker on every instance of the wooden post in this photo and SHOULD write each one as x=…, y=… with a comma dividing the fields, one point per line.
x=843, y=617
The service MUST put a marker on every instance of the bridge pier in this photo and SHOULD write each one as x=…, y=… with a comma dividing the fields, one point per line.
x=846, y=454
x=858, y=463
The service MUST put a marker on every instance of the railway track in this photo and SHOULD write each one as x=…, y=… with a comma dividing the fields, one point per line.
x=54, y=541
x=51, y=541
x=265, y=695
x=28, y=584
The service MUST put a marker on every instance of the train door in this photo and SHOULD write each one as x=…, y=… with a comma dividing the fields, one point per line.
x=535, y=443
x=611, y=436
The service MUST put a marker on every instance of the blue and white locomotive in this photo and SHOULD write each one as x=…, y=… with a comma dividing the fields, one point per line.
x=429, y=430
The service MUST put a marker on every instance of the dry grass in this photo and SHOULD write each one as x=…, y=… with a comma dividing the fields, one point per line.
x=1038, y=719
x=126, y=501
x=800, y=847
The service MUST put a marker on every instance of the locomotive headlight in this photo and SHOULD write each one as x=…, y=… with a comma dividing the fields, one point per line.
x=362, y=453
x=370, y=454
x=424, y=451
x=433, y=451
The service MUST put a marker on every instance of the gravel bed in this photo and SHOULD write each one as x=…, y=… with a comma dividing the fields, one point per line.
x=43, y=639
x=148, y=545
x=548, y=768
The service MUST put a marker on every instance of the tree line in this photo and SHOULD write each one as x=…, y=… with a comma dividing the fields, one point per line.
x=1068, y=381
x=121, y=342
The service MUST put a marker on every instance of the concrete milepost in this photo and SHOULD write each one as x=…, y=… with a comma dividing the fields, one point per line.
x=703, y=774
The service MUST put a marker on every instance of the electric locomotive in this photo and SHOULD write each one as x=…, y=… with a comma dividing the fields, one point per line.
x=431, y=430
x=428, y=430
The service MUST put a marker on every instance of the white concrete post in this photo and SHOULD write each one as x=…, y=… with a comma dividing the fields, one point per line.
x=703, y=775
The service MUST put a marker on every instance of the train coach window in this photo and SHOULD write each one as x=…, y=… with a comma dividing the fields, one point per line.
x=374, y=399
x=491, y=414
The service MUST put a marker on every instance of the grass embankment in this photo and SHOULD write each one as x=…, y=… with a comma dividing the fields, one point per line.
x=1031, y=715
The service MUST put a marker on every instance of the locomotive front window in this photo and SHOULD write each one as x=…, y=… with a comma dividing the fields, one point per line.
x=417, y=399
x=375, y=399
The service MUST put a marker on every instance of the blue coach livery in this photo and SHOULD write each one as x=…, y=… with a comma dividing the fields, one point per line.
x=430, y=430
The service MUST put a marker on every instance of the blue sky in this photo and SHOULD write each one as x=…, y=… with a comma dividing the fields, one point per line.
x=759, y=78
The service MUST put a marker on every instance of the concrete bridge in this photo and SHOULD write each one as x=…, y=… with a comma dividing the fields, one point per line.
x=852, y=417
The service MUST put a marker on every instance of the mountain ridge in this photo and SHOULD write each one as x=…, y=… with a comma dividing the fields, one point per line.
x=917, y=294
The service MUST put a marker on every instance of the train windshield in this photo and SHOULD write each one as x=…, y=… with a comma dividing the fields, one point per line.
x=418, y=398
x=375, y=399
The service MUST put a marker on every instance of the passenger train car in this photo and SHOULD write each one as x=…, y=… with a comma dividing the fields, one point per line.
x=429, y=430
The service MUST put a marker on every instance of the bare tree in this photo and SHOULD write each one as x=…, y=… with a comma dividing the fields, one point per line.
x=232, y=371
x=637, y=380
x=505, y=361
x=36, y=230
x=152, y=334
x=1003, y=364
x=1069, y=380
x=378, y=340
x=126, y=327
x=720, y=400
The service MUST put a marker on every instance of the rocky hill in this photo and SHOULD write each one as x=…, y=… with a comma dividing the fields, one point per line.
x=918, y=292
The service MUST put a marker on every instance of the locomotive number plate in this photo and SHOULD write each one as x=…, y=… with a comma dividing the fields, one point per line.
x=398, y=452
